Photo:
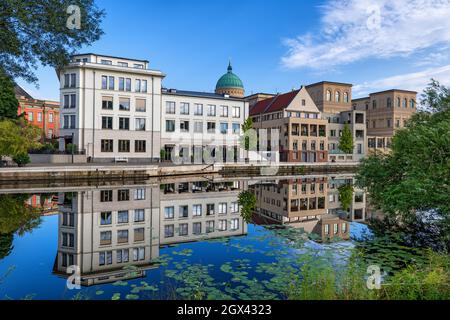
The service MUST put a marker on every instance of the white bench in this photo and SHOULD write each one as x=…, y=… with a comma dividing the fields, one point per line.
x=120, y=159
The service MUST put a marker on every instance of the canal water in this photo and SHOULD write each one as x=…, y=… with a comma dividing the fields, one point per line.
x=181, y=239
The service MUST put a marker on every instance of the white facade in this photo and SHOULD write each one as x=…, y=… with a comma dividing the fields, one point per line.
x=193, y=123
x=111, y=106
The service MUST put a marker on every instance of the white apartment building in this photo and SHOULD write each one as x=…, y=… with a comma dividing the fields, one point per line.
x=110, y=108
x=198, y=127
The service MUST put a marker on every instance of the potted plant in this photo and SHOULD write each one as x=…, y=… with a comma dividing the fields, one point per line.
x=21, y=159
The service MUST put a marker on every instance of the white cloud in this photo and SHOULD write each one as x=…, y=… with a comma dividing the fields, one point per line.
x=416, y=81
x=353, y=30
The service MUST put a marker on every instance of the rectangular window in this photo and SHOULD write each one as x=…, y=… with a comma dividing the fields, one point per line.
x=236, y=112
x=222, y=225
x=168, y=212
x=223, y=208
x=104, y=82
x=198, y=127
x=144, y=86
x=211, y=110
x=124, y=145
x=223, y=128
x=169, y=231
x=139, y=234
x=68, y=239
x=107, y=122
x=236, y=128
x=335, y=228
x=196, y=210
x=198, y=109
x=327, y=229
x=105, y=258
x=137, y=85
x=197, y=228
x=210, y=209
x=108, y=62
x=139, y=215
x=69, y=122
x=30, y=114
x=39, y=117
x=105, y=218
x=139, y=124
x=184, y=126
x=66, y=80
x=121, y=84
x=141, y=105
x=139, y=146
x=128, y=84
x=111, y=83
x=224, y=111
x=107, y=145
x=139, y=194
x=234, y=224
x=211, y=127
x=170, y=125
x=184, y=211
x=107, y=103
x=170, y=107
x=73, y=78
x=122, y=255
x=138, y=254
x=209, y=226
x=138, y=66
x=124, y=123
x=50, y=117
x=234, y=207
x=122, y=236
x=124, y=104
x=105, y=238
x=183, y=229
x=73, y=99
x=106, y=196
x=184, y=108
x=123, y=195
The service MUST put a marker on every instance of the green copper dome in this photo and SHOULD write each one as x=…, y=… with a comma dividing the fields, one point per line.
x=229, y=80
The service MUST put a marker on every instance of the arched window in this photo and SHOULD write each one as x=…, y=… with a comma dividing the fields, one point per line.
x=346, y=97
x=337, y=96
x=388, y=102
x=411, y=103
x=404, y=102
x=328, y=95
x=398, y=102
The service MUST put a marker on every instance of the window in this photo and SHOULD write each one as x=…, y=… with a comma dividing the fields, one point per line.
x=141, y=105
x=69, y=122
x=388, y=123
x=122, y=236
x=224, y=111
x=139, y=234
x=144, y=86
x=104, y=258
x=139, y=194
x=359, y=148
x=184, y=211
x=69, y=101
x=398, y=102
x=107, y=145
x=388, y=102
x=139, y=215
x=198, y=126
x=39, y=117
x=223, y=128
x=138, y=254
x=184, y=126
x=124, y=123
x=66, y=80
x=209, y=226
x=105, y=218
x=404, y=103
x=397, y=123
x=184, y=108
x=223, y=208
x=105, y=238
x=411, y=103
x=234, y=207
x=374, y=104
x=123, y=195
x=137, y=85
x=170, y=125
x=344, y=227
x=139, y=146
x=170, y=107
x=128, y=84
x=168, y=231
x=197, y=228
x=107, y=103
x=327, y=229
x=337, y=96
x=346, y=97
x=124, y=104
x=234, y=224
x=183, y=229
x=121, y=84
x=198, y=109
x=168, y=212
x=211, y=110
x=196, y=210
x=211, y=127
x=104, y=82
x=50, y=133
x=335, y=228
x=111, y=83
x=328, y=97
x=139, y=124
x=124, y=145
x=222, y=225
x=30, y=116
x=210, y=209
x=236, y=128
x=122, y=255
x=138, y=66
x=107, y=122
x=106, y=62
x=236, y=112
x=68, y=239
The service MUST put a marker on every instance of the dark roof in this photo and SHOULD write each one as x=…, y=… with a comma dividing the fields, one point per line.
x=329, y=82
x=107, y=56
x=363, y=98
x=20, y=92
x=277, y=103
x=200, y=94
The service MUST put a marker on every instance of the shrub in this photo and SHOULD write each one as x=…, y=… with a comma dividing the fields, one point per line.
x=21, y=159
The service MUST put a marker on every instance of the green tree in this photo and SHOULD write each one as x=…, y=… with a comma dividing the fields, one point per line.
x=247, y=201
x=8, y=101
x=346, y=141
x=249, y=138
x=35, y=31
x=17, y=137
x=435, y=97
x=413, y=180
x=345, y=196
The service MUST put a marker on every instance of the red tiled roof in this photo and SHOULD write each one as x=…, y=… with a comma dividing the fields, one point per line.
x=277, y=103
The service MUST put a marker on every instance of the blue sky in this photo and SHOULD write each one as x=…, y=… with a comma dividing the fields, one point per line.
x=277, y=45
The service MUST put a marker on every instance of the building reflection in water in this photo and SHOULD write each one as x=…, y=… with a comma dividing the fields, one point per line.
x=308, y=202
x=104, y=230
